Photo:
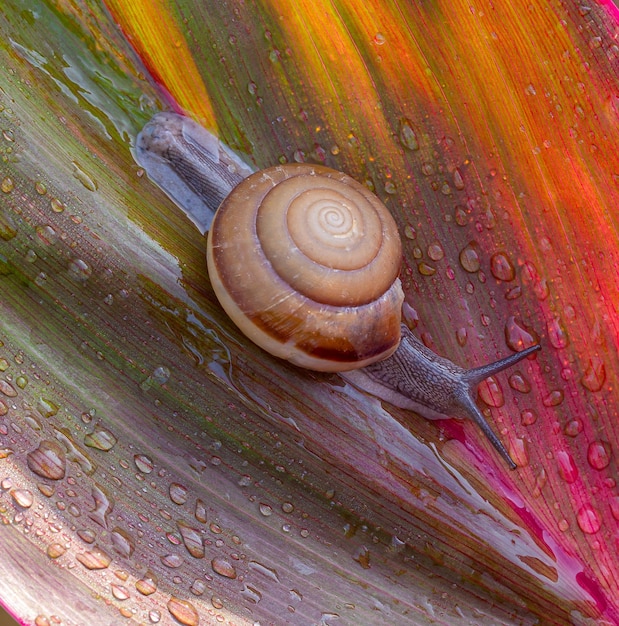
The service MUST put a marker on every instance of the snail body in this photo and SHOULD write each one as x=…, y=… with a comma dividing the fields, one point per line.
x=305, y=260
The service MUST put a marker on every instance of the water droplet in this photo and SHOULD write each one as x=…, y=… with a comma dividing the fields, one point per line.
x=540, y=482
x=172, y=560
x=469, y=257
x=94, y=559
x=88, y=182
x=178, y=493
x=598, y=454
x=264, y=570
x=501, y=267
x=425, y=269
x=183, y=612
x=122, y=542
x=119, y=591
x=7, y=185
x=435, y=251
x=48, y=460
x=143, y=463
x=55, y=550
x=101, y=439
x=223, y=567
x=491, y=393
x=517, y=336
x=250, y=593
x=21, y=381
x=147, y=585
x=595, y=375
x=154, y=616
x=557, y=333
x=47, y=408
x=567, y=468
x=588, y=519
x=528, y=417
x=573, y=427
x=102, y=506
x=23, y=497
x=518, y=451
x=407, y=135
x=362, y=556
x=192, y=540
x=7, y=389
x=79, y=270
x=554, y=398
x=200, y=511
x=519, y=383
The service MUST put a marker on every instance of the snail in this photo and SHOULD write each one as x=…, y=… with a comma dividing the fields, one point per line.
x=305, y=260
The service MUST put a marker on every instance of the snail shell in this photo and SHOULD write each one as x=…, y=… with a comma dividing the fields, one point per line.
x=305, y=260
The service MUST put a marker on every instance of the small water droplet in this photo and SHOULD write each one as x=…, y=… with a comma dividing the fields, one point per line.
x=147, y=585
x=519, y=383
x=48, y=460
x=554, y=398
x=223, y=567
x=567, y=468
x=598, y=454
x=264, y=570
x=250, y=593
x=120, y=592
x=172, y=560
x=7, y=185
x=23, y=497
x=55, y=550
x=143, y=463
x=7, y=389
x=557, y=333
x=47, y=408
x=362, y=556
x=469, y=257
x=435, y=251
x=425, y=269
x=595, y=375
x=491, y=393
x=192, y=540
x=88, y=182
x=101, y=439
x=518, y=451
x=79, y=270
x=407, y=134
x=501, y=267
x=517, y=336
x=178, y=493
x=588, y=519
x=94, y=559
x=573, y=427
x=122, y=542
x=183, y=612
x=528, y=417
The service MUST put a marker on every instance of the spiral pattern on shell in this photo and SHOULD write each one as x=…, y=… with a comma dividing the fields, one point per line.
x=305, y=260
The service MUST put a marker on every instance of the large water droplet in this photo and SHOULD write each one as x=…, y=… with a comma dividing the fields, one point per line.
x=48, y=460
x=7, y=389
x=557, y=333
x=122, y=542
x=143, y=463
x=491, y=393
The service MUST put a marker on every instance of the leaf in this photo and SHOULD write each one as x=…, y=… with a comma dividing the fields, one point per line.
x=176, y=438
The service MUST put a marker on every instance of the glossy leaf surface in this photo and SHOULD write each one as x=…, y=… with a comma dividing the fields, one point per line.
x=153, y=457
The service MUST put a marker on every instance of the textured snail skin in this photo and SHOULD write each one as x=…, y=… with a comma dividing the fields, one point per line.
x=364, y=340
